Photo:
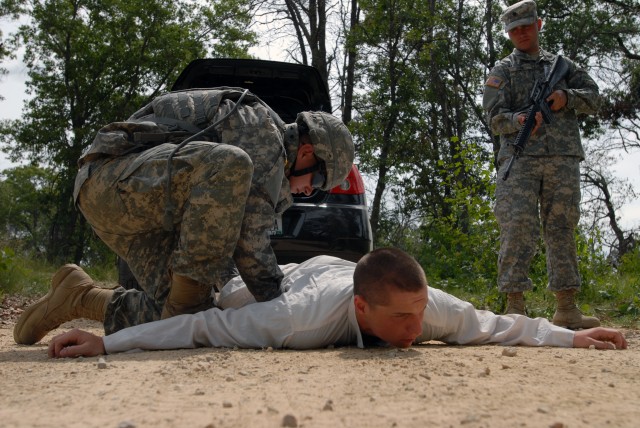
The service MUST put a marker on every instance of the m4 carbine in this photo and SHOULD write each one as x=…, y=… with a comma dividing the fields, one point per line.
x=538, y=97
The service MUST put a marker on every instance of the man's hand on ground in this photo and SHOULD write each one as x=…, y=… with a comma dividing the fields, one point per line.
x=76, y=343
x=600, y=337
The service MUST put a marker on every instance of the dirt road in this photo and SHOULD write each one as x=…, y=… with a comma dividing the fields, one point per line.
x=429, y=385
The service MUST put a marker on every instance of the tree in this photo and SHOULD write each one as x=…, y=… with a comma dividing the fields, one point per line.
x=92, y=62
x=305, y=28
x=6, y=11
x=417, y=111
x=26, y=193
x=603, y=195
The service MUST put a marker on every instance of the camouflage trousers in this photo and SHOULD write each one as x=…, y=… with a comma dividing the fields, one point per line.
x=192, y=231
x=539, y=190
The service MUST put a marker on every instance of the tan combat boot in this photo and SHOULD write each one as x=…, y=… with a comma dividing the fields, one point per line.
x=515, y=304
x=73, y=295
x=187, y=296
x=568, y=315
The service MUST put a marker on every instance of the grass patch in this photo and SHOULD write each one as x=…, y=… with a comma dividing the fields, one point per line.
x=613, y=297
x=32, y=277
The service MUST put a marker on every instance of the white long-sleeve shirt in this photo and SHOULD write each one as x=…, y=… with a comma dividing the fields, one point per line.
x=317, y=310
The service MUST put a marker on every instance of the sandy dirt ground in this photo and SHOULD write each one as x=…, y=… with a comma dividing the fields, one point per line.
x=431, y=385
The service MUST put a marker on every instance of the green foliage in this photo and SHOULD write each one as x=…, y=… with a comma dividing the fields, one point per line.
x=7, y=270
x=31, y=276
x=630, y=264
x=628, y=286
x=459, y=245
x=26, y=276
x=27, y=197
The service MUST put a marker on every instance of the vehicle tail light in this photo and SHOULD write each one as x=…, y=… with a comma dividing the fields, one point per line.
x=352, y=185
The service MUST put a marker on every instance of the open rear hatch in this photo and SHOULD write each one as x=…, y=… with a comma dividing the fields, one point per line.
x=286, y=88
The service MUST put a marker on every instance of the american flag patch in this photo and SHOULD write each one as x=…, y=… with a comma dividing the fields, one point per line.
x=493, y=81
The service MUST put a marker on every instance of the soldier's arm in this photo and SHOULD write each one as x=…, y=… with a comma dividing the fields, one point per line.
x=583, y=94
x=496, y=103
x=253, y=255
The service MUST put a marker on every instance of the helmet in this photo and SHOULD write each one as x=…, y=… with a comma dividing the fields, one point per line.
x=332, y=143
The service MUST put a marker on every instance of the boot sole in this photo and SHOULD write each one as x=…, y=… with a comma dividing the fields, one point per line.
x=32, y=310
x=577, y=326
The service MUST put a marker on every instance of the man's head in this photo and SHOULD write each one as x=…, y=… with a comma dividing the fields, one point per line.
x=522, y=24
x=328, y=144
x=390, y=291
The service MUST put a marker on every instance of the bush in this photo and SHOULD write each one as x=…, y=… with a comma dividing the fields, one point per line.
x=7, y=271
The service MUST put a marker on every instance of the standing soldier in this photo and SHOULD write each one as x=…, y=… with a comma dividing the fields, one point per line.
x=545, y=181
x=185, y=188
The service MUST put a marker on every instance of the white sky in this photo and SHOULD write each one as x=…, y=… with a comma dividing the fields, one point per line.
x=12, y=88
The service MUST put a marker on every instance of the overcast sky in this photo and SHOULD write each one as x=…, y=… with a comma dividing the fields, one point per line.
x=12, y=88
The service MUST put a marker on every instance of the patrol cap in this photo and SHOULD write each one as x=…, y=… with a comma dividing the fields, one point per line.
x=521, y=13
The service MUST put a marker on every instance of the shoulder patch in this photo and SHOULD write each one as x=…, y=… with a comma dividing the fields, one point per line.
x=493, y=82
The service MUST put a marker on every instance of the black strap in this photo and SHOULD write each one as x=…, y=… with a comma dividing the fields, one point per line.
x=303, y=171
x=158, y=137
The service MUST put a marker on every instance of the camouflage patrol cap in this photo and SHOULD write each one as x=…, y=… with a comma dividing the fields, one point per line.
x=332, y=143
x=521, y=13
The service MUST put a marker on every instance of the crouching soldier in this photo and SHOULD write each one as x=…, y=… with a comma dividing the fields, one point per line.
x=186, y=187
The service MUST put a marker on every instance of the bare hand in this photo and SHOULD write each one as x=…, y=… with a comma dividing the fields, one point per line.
x=523, y=117
x=76, y=343
x=557, y=100
x=600, y=337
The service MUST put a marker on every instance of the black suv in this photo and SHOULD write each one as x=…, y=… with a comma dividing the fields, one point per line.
x=335, y=222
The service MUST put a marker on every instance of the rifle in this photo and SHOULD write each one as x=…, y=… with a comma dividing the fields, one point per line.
x=538, y=98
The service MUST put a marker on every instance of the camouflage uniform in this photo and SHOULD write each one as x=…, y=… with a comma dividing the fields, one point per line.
x=219, y=207
x=544, y=182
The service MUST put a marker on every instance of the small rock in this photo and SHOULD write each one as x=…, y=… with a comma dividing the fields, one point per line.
x=592, y=346
x=289, y=421
x=510, y=352
x=227, y=404
x=469, y=419
x=328, y=405
x=486, y=372
x=126, y=424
